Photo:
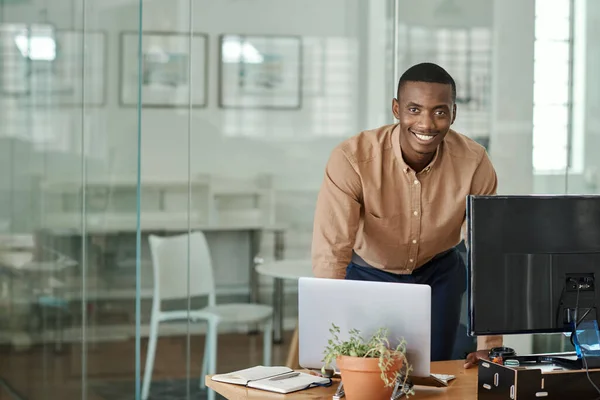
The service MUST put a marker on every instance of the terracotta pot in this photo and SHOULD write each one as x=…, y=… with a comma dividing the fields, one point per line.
x=362, y=378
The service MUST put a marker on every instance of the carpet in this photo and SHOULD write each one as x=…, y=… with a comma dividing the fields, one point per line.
x=168, y=389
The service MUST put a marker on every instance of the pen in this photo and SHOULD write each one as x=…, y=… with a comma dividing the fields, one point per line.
x=280, y=377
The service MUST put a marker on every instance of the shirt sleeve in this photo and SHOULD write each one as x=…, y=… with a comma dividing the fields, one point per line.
x=485, y=182
x=337, y=217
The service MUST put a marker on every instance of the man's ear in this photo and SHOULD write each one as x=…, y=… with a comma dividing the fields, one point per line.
x=453, y=113
x=396, y=109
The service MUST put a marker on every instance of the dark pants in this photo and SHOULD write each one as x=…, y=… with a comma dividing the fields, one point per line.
x=447, y=276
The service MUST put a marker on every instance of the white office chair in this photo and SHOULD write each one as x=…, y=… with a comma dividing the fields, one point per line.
x=170, y=267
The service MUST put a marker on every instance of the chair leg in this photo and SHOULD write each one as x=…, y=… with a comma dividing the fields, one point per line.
x=267, y=341
x=152, y=339
x=205, y=359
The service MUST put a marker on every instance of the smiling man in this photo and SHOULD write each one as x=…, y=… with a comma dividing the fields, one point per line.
x=392, y=205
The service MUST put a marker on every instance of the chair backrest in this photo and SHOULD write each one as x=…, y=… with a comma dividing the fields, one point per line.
x=170, y=267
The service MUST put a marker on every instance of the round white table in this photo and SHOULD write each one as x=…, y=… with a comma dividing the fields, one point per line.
x=280, y=270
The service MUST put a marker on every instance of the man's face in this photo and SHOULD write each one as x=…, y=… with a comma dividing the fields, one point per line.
x=425, y=111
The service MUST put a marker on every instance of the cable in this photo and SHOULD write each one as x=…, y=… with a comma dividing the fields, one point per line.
x=583, y=359
x=559, y=308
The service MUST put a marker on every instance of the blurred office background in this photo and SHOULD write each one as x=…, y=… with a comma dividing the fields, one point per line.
x=241, y=102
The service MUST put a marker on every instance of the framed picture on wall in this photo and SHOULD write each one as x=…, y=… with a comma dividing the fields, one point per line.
x=171, y=65
x=46, y=67
x=260, y=72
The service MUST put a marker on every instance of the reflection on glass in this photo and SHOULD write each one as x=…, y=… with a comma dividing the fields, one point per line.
x=240, y=115
x=466, y=54
x=66, y=287
x=262, y=72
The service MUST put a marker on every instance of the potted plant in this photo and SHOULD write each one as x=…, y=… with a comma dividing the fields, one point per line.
x=369, y=369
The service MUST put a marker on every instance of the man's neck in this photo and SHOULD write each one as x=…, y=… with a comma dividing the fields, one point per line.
x=418, y=162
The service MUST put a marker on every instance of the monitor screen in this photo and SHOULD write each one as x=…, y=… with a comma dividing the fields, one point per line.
x=532, y=262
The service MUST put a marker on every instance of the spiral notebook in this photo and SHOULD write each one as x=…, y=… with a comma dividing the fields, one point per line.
x=272, y=379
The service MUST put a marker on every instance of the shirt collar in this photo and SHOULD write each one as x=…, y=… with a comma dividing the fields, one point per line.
x=398, y=151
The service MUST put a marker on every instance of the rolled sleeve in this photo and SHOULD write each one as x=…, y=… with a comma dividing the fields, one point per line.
x=337, y=217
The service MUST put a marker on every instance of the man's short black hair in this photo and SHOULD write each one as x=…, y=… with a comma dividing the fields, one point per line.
x=427, y=72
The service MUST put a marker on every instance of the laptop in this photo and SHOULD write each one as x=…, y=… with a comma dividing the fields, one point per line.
x=404, y=309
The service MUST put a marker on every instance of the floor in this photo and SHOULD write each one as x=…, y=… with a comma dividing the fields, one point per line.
x=40, y=374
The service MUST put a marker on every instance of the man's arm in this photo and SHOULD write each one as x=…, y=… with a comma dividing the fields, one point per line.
x=485, y=182
x=337, y=216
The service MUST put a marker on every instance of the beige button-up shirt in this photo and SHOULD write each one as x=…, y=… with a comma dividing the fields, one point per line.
x=371, y=202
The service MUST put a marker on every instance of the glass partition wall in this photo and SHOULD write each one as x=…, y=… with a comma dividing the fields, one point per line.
x=239, y=158
x=155, y=152
x=68, y=203
x=195, y=121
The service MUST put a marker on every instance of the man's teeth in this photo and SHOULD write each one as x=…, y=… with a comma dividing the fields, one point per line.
x=424, y=137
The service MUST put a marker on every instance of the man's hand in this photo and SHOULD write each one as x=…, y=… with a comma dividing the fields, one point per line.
x=473, y=358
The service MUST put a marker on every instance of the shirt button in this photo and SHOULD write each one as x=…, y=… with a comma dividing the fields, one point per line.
x=414, y=241
x=416, y=213
x=416, y=182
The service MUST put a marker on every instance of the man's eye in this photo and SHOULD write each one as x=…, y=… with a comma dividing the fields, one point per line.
x=413, y=110
x=440, y=112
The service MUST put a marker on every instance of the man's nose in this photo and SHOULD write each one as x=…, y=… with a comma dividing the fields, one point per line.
x=426, y=123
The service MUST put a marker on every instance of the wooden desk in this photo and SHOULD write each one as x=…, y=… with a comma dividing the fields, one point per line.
x=464, y=387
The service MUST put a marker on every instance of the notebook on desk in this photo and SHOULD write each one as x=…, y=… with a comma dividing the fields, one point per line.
x=272, y=379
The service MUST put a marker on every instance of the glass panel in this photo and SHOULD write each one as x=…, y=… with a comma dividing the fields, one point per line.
x=239, y=117
x=68, y=205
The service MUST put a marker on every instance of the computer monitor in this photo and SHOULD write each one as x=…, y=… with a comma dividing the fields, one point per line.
x=405, y=309
x=533, y=263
